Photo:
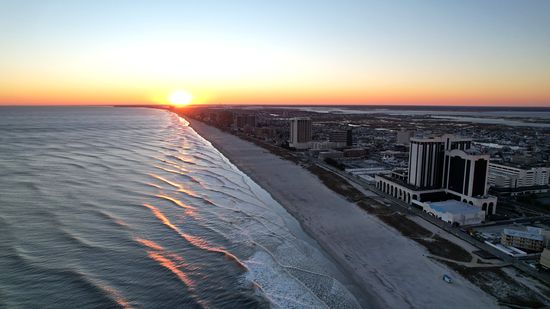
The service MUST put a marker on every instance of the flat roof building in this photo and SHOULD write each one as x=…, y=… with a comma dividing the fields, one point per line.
x=514, y=180
x=453, y=211
x=527, y=240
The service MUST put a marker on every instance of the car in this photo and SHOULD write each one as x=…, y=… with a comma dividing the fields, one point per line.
x=447, y=278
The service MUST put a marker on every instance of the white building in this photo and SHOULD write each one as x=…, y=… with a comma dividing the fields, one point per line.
x=452, y=211
x=516, y=179
x=300, y=132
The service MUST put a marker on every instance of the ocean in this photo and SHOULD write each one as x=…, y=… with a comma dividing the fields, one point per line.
x=129, y=207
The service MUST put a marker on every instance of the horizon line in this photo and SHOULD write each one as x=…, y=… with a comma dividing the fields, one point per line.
x=523, y=106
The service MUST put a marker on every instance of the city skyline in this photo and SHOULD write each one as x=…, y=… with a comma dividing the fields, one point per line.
x=307, y=52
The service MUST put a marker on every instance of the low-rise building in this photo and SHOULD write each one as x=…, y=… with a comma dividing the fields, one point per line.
x=332, y=154
x=355, y=152
x=324, y=145
x=452, y=211
x=515, y=179
x=527, y=240
x=367, y=173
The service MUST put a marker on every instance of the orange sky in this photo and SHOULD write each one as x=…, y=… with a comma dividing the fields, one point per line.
x=371, y=52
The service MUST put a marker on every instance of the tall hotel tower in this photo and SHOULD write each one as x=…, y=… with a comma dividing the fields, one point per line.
x=427, y=159
x=300, y=132
x=444, y=167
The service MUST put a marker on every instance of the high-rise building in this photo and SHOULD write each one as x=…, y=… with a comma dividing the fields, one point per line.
x=242, y=121
x=426, y=163
x=444, y=167
x=300, y=132
x=349, y=137
x=427, y=159
x=341, y=137
x=465, y=172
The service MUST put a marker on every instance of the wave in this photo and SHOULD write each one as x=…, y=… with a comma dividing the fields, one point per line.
x=189, y=210
x=55, y=281
x=174, y=263
x=194, y=240
x=190, y=178
x=172, y=183
x=289, y=271
x=112, y=218
x=141, y=205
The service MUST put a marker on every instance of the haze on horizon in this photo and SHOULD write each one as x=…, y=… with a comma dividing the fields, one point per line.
x=493, y=52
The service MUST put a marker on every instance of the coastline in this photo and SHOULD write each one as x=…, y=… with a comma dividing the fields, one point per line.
x=388, y=269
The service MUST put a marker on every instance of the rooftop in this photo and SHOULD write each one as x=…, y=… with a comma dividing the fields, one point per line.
x=473, y=151
x=439, y=138
x=409, y=186
x=454, y=206
x=522, y=166
x=522, y=234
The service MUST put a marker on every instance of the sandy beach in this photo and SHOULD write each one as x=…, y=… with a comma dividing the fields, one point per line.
x=390, y=269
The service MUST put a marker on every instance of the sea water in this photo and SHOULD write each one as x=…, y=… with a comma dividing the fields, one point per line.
x=129, y=207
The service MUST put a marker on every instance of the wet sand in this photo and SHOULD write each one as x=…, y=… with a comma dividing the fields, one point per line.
x=390, y=270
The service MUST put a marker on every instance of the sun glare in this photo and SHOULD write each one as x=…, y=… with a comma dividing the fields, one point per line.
x=180, y=98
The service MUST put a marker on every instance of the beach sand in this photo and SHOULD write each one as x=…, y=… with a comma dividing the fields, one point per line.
x=391, y=270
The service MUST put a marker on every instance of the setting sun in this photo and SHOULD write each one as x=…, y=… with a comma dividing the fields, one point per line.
x=180, y=97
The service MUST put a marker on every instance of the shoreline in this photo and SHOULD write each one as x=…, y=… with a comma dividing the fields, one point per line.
x=387, y=269
x=345, y=276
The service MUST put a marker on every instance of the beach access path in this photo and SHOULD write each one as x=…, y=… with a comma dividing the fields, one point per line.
x=390, y=269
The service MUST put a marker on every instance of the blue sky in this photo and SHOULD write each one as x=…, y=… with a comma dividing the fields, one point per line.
x=309, y=50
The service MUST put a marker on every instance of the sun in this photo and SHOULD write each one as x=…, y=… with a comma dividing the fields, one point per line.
x=180, y=98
